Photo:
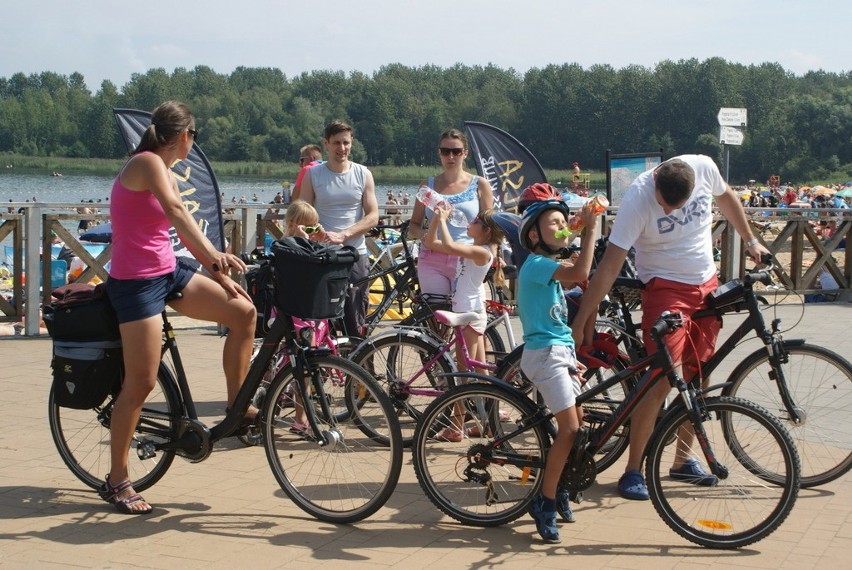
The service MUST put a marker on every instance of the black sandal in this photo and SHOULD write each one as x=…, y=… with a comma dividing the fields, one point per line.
x=110, y=494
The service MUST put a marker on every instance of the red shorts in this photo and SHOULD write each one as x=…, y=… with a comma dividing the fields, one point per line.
x=696, y=338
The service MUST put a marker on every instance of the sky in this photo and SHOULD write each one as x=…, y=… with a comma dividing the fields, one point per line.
x=108, y=40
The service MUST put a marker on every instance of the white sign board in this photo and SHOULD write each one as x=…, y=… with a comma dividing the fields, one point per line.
x=732, y=117
x=731, y=135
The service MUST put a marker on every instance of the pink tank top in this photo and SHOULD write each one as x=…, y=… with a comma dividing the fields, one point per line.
x=141, y=247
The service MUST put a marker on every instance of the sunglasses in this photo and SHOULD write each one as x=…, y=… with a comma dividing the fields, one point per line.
x=313, y=229
x=304, y=159
x=451, y=151
x=193, y=132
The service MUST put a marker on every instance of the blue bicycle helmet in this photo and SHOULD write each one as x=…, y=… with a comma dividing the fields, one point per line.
x=530, y=220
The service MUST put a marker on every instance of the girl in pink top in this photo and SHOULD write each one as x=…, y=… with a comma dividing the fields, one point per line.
x=145, y=276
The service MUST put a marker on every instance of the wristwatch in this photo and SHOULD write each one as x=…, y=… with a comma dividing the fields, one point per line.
x=751, y=242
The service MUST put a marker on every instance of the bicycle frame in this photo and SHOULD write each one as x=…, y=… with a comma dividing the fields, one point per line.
x=655, y=366
x=195, y=438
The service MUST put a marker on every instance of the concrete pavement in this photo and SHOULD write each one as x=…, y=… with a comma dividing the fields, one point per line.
x=228, y=511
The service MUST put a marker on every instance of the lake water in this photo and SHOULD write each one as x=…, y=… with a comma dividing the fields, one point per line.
x=21, y=187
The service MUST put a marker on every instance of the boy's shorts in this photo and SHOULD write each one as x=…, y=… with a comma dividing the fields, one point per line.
x=552, y=370
x=137, y=299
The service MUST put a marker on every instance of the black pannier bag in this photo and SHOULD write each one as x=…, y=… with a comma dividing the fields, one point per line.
x=87, y=357
x=260, y=285
x=311, y=278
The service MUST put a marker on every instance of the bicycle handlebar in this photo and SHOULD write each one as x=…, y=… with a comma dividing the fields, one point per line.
x=763, y=275
x=666, y=324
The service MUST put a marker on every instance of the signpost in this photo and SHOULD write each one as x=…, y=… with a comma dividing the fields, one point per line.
x=731, y=123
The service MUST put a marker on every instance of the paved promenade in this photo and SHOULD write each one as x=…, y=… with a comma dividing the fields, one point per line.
x=228, y=511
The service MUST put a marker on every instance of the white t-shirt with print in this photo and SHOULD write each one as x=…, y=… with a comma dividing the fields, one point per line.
x=676, y=246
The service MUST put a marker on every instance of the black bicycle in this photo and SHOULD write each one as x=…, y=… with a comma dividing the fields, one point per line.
x=807, y=386
x=490, y=478
x=341, y=469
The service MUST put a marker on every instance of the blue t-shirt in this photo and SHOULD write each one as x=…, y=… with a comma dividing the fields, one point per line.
x=541, y=304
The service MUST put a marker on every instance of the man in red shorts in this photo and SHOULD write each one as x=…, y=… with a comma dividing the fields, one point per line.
x=666, y=215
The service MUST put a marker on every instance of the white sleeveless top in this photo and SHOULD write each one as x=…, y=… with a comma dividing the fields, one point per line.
x=469, y=291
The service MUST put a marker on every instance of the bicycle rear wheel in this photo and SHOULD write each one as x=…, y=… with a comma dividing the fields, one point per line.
x=820, y=382
x=469, y=480
x=82, y=437
x=394, y=361
x=350, y=477
x=744, y=506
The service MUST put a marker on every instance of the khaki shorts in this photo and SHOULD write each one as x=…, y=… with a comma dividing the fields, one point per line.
x=552, y=371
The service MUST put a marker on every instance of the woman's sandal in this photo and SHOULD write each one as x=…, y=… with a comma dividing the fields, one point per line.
x=110, y=494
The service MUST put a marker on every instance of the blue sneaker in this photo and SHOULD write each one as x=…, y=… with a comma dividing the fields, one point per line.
x=545, y=521
x=632, y=486
x=563, y=506
x=692, y=472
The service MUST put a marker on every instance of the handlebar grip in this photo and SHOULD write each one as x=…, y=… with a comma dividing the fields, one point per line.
x=668, y=322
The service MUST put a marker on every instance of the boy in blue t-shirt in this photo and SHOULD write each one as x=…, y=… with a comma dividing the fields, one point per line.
x=548, y=359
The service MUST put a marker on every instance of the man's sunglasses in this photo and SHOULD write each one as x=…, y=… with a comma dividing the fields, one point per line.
x=451, y=151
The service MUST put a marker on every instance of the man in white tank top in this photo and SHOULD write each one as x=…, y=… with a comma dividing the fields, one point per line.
x=344, y=195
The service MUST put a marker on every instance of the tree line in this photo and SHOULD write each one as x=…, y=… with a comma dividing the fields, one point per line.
x=799, y=127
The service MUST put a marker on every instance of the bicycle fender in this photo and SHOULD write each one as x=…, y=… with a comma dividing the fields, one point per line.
x=498, y=382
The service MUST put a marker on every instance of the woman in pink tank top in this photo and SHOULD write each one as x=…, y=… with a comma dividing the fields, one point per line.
x=145, y=276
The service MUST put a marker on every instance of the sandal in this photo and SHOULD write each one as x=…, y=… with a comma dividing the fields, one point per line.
x=300, y=428
x=110, y=493
x=449, y=434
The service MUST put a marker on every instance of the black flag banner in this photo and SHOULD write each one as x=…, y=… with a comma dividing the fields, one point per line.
x=197, y=184
x=502, y=160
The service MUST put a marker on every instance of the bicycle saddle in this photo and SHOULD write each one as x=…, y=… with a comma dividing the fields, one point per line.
x=455, y=319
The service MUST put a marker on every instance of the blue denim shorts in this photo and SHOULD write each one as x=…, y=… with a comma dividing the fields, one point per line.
x=137, y=299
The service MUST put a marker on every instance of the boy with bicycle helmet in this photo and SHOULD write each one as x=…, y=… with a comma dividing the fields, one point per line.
x=548, y=359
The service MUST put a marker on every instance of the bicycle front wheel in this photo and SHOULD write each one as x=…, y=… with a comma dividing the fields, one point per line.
x=340, y=475
x=745, y=506
x=820, y=383
x=82, y=437
x=469, y=480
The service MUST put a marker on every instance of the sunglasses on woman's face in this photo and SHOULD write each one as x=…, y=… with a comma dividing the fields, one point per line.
x=445, y=151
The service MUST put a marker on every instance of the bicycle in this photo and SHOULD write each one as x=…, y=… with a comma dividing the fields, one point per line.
x=414, y=367
x=336, y=471
x=491, y=479
x=806, y=386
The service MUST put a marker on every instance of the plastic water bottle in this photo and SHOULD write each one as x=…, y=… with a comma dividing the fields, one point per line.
x=432, y=199
x=575, y=224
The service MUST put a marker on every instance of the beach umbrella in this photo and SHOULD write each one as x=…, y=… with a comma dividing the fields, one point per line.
x=98, y=234
x=823, y=191
x=845, y=193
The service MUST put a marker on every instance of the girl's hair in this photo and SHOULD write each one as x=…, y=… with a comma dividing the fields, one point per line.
x=167, y=121
x=486, y=218
x=301, y=213
x=454, y=134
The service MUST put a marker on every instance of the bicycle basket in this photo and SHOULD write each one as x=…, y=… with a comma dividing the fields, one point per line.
x=311, y=279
